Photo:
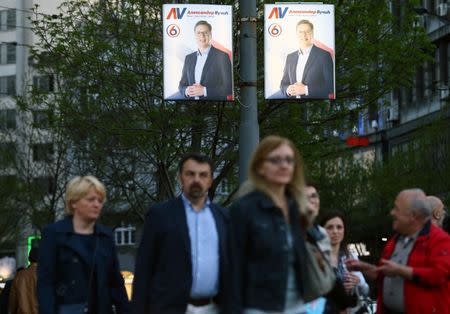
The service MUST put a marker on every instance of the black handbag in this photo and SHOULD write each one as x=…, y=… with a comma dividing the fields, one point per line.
x=80, y=308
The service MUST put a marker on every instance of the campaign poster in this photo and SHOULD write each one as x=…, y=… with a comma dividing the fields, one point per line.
x=198, y=52
x=299, y=51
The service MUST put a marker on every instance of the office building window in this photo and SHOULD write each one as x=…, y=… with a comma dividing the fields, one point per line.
x=10, y=53
x=7, y=155
x=42, y=152
x=8, y=85
x=44, y=185
x=43, y=83
x=42, y=119
x=7, y=119
x=7, y=53
x=125, y=235
x=7, y=19
x=11, y=19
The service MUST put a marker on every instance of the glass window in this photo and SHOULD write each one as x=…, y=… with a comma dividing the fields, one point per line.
x=7, y=155
x=43, y=83
x=8, y=85
x=7, y=119
x=44, y=185
x=42, y=119
x=10, y=53
x=42, y=152
x=3, y=14
x=11, y=85
x=125, y=235
x=118, y=237
x=11, y=19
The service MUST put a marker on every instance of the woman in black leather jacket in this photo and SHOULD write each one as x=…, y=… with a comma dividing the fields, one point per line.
x=267, y=231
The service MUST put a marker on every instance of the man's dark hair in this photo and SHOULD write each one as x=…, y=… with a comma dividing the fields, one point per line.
x=200, y=158
x=311, y=183
x=33, y=255
x=203, y=23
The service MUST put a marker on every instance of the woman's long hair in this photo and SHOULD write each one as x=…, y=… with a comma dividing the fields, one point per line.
x=258, y=182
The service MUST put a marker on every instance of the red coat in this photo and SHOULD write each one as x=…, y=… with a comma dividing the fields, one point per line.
x=430, y=259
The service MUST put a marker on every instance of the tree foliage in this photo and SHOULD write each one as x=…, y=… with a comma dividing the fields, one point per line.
x=106, y=57
x=365, y=188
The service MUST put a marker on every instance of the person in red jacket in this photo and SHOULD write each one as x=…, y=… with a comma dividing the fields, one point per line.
x=415, y=263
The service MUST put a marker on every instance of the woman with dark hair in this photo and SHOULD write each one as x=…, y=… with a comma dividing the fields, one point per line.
x=78, y=269
x=267, y=232
x=354, y=282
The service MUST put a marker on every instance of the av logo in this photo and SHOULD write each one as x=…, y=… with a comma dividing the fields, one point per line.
x=173, y=30
x=278, y=12
x=274, y=30
x=176, y=13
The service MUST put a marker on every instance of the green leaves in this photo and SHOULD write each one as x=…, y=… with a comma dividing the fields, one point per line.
x=107, y=60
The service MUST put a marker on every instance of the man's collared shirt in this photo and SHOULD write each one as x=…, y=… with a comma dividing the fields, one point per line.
x=393, y=287
x=199, y=65
x=303, y=56
x=204, y=249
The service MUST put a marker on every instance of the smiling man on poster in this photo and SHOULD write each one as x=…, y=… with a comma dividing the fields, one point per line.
x=207, y=71
x=308, y=72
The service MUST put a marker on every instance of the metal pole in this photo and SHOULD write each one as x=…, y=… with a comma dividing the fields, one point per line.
x=248, y=127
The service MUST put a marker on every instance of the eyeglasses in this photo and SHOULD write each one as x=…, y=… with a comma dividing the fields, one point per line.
x=278, y=161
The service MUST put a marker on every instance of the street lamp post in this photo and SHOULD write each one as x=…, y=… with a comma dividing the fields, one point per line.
x=248, y=127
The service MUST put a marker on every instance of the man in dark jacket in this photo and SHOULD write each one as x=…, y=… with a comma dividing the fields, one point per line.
x=182, y=265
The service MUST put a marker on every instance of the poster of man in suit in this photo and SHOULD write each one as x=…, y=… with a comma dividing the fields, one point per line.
x=299, y=49
x=198, y=52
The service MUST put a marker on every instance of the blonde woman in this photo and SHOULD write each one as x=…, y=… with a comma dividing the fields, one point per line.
x=78, y=267
x=268, y=236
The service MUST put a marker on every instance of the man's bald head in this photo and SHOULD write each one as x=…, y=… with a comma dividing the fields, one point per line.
x=411, y=211
x=437, y=210
x=417, y=202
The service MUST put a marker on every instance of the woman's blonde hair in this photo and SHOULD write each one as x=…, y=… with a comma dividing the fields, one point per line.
x=258, y=182
x=79, y=187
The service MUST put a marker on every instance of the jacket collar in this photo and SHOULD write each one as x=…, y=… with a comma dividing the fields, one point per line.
x=266, y=202
x=425, y=231
x=66, y=226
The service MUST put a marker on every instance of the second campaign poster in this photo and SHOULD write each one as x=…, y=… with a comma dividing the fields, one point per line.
x=198, y=52
x=299, y=51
